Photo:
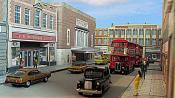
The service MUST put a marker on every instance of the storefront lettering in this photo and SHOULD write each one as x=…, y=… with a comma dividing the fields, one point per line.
x=25, y=36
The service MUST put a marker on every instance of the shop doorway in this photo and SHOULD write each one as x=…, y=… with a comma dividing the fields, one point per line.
x=28, y=57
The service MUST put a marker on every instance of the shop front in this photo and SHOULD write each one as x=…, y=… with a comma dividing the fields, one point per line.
x=27, y=47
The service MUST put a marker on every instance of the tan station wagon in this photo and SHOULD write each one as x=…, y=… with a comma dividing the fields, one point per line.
x=27, y=76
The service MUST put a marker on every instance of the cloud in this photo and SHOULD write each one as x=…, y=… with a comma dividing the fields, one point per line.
x=101, y=2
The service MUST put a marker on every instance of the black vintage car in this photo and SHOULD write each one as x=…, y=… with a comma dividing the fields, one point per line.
x=96, y=80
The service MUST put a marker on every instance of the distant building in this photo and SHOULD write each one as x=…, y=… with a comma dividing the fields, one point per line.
x=146, y=35
x=75, y=35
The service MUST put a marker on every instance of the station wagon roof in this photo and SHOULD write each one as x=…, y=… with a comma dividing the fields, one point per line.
x=27, y=69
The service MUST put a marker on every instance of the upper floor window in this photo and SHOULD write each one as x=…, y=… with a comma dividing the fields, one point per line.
x=105, y=32
x=141, y=41
x=27, y=17
x=99, y=41
x=44, y=20
x=154, y=32
x=17, y=14
x=134, y=32
x=141, y=32
x=51, y=22
x=68, y=36
x=122, y=32
x=105, y=41
x=147, y=32
x=134, y=40
x=154, y=42
x=37, y=18
x=159, y=32
x=159, y=43
x=147, y=41
x=111, y=32
x=99, y=32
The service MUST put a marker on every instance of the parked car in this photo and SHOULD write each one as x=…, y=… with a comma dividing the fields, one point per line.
x=78, y=68
x=27, y=76
x=96, y=81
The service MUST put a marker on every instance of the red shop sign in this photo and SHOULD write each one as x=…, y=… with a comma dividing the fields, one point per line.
x=25, y=36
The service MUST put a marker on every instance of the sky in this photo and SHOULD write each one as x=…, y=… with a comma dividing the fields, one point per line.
x=108, y=12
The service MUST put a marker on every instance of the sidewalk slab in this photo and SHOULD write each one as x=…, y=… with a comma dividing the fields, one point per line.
x=152, y=87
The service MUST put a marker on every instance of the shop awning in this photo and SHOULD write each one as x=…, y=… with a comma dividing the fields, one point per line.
x=84, y=50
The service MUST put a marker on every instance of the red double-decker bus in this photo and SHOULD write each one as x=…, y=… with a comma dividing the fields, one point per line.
x=124, y=56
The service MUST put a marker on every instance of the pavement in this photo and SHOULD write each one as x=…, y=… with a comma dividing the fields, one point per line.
x=152, y=87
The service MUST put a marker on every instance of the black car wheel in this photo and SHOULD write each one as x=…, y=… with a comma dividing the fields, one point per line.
x=80, y=93
x=27, y=84
x=45, y=79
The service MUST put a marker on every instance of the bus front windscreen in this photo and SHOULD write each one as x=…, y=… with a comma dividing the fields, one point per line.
x=119, y=59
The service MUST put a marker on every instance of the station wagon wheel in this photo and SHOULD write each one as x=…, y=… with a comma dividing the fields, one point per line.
x=27, y=84
x=45, y=79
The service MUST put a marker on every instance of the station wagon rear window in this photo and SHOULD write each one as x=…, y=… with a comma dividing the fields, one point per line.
x=19, y=73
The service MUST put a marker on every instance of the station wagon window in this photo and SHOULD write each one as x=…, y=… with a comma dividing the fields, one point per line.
x=34, y=72
x=19, y=73
x=93, y=73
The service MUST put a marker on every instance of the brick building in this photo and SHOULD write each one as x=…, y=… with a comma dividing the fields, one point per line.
x=31, y=27
x=168, y=47
x=75, y=35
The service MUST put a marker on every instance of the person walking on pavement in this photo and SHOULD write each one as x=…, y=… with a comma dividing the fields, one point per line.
x=35, y=62
x=143, y=69
x=137, y=83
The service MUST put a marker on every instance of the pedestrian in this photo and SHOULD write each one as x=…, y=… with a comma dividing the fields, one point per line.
x=35, y=62
x=137, y=83
x=143, y=69
x=22, y=63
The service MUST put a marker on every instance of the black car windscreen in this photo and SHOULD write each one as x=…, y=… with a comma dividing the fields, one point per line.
x=93, y=73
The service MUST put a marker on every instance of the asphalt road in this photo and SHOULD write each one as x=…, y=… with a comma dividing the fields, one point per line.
x=63, y=85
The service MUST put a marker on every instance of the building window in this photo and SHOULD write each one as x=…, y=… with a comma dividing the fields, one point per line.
x=68, y=36
x=99, y=41
x=100, y=33
x=27, y=16
x=154, y=42
x=154, y=32
x=134, y=40
x=44, y=20
x=105, y=42
x=122, y=32
x=105, y=32
x=147, y=32
x=147, y=41
x=17, y=14
x=134, y=32
x=111, y=32
x=159, y=43
x=141, y=41
x=159, y=32
x=37, y=18
x=51, y=22
x=141, y=32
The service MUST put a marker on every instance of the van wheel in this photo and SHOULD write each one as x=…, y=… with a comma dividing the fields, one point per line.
x=27, y=84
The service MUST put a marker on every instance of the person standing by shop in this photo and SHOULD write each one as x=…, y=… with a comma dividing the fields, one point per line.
x=35, y=62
